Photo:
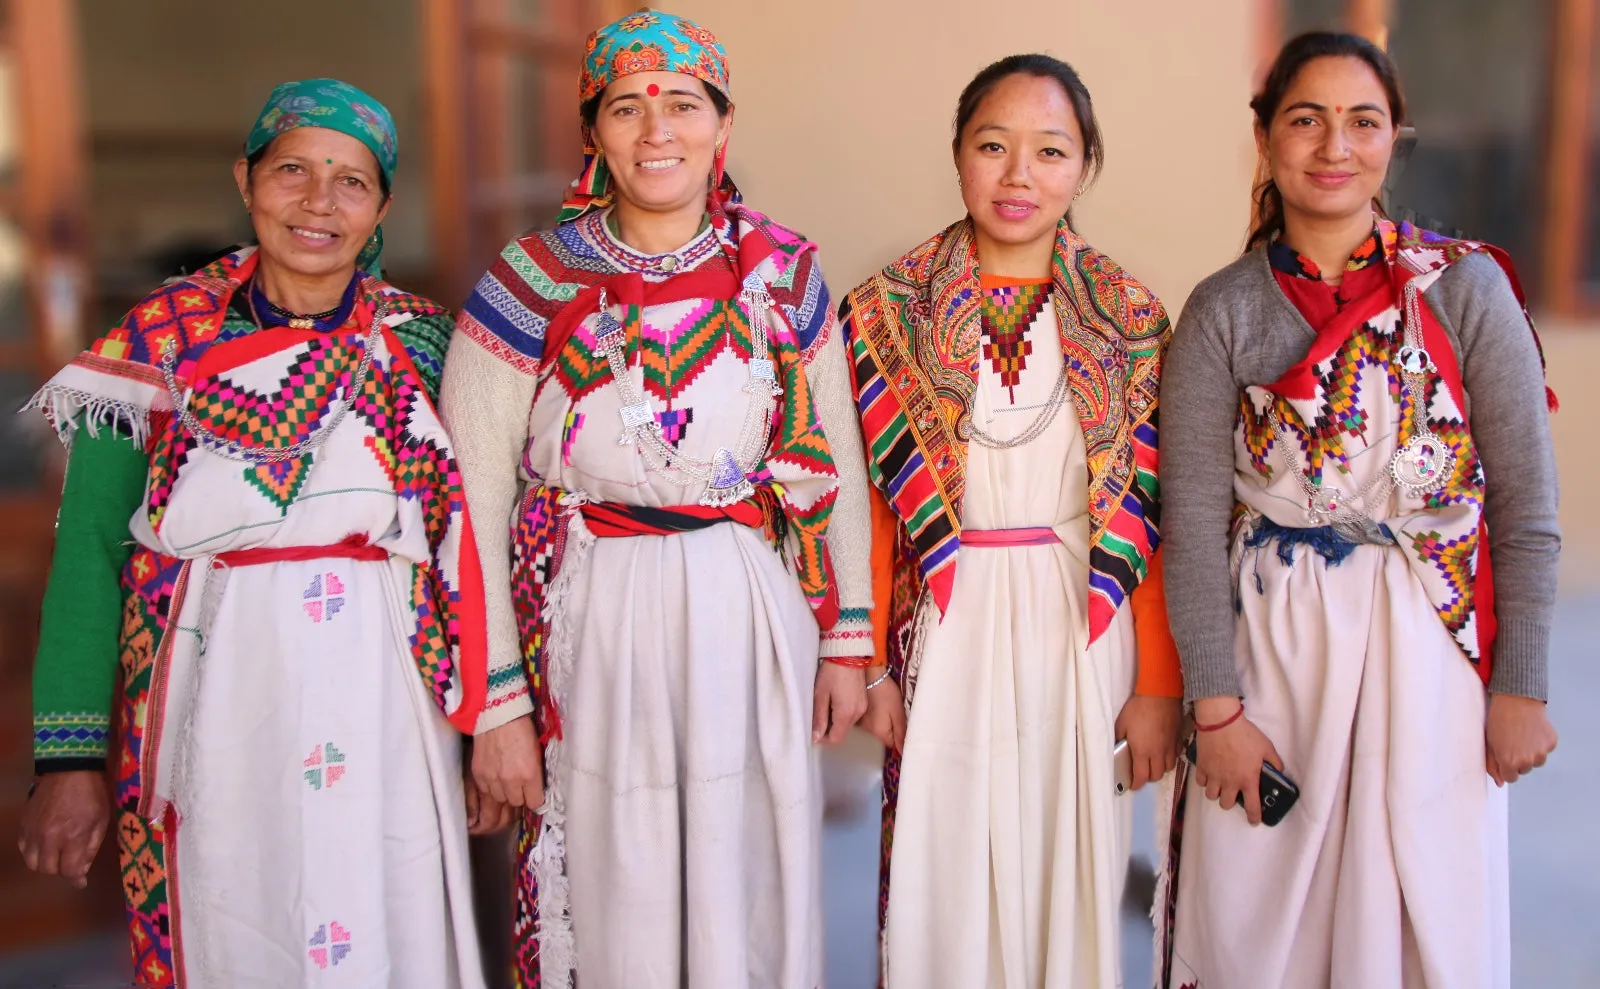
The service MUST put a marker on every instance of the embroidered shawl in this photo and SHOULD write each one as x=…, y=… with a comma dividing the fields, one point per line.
x=119, y=381
x=913, y=332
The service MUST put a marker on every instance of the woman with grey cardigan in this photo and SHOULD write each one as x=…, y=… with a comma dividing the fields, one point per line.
x=1354, y=422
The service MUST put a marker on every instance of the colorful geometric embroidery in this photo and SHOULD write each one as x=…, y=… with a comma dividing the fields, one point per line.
x=324, y=598
x=1442, y=532
x=84, y=735
x=569, y=433
x=1006, y=314
x=675, y=424
x=273, y=421
x=148, y=583
x=538, y=275
x=280, y=482
x=329, y=945
x=325, y=765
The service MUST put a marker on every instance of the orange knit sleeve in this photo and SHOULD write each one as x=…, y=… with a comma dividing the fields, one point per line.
x=1159, y=673
x=885, y=529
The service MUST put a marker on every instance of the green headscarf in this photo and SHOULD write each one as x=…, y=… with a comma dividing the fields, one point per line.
x=337, y=106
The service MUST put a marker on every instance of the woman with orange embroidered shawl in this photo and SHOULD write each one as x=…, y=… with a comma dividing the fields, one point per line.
x=1006, y=374
x=1358, y=425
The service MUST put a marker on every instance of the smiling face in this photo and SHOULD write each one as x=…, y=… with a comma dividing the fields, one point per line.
x=1021, y=160
x=315, y=197
x=1330, y=140
x=660, y=132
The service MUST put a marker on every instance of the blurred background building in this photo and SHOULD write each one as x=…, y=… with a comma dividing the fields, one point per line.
x=119, y=123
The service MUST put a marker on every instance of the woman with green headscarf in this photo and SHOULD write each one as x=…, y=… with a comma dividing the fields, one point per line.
x=263, y=519
x=656, y=398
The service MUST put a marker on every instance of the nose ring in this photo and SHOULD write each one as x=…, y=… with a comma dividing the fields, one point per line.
x=668, y=135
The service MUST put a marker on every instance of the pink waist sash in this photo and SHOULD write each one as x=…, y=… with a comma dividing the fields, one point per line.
x=1038, y=535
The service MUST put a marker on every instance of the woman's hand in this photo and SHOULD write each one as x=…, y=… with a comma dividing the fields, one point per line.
x=1517, y=737
x=64, y=823
x=1151, y=726
x=507, y=765
x=838, y=701
x=885, y=719
x=485, y=814
x=1230, y=758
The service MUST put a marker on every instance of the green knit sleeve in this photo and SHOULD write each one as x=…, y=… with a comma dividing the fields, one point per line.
x=75, y=671
x=426, y=338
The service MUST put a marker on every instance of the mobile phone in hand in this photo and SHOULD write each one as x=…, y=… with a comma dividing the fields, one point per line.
x=1278, y=792
x=1122, y=761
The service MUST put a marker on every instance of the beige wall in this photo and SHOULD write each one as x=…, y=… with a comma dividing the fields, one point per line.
x=845, y=106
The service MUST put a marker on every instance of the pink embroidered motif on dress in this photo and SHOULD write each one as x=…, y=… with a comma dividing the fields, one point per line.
x=324, y=766
x=330, y=945
x=324, y=598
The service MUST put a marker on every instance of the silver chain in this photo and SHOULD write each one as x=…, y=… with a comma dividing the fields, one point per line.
x=1421, y=466
x=1041, y=422
x=727, y=473
x=232, y=450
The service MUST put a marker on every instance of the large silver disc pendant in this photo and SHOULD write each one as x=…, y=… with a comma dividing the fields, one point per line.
x=1325, y=504
x=1423, y=465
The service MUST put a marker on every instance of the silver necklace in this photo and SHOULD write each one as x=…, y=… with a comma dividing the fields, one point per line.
x=1041, y=422
x=232, y=450
x=727, y=473
x=1422, y=466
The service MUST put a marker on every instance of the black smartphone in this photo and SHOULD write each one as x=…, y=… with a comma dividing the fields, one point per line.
x=1278, y=792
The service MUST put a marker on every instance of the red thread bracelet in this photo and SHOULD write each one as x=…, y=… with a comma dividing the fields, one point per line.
x=1235, y=716
x=853, y=662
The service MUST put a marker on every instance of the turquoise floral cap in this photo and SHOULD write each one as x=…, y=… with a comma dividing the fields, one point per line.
x=332, y=104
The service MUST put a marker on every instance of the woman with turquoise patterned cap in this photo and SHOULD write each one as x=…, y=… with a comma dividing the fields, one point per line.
x=263, y=521
x=656, y=397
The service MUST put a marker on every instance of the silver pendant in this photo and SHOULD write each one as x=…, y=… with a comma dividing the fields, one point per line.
x=1415, y=360
x=763, y=378
x=634, y=417
x=1423, y=465
x=607, y=332
x=729, y=486
x=1325, y=504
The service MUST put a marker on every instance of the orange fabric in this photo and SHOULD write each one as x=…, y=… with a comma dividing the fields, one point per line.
x=1003, y=281
x=1159, y=673
x=885, y=529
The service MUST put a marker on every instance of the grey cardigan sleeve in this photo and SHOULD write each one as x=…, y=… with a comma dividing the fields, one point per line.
x=1199, y=410
x=1504, y=381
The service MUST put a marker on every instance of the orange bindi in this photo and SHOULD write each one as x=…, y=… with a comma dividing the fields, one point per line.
x=653, y=89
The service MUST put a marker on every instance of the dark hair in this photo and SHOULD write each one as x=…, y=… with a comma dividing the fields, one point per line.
x=589, y=110
x=252, y=160
x=1042, y=67
x=1293, y=57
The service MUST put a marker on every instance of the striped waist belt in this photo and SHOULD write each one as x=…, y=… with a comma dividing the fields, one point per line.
x=614, y=519
x=353, y=548
x=1037, y=535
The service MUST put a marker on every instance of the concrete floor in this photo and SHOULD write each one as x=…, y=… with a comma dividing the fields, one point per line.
x=1555, y=863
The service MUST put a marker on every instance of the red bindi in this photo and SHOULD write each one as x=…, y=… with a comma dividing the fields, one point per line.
x=1338, y=109
x=653, y=89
